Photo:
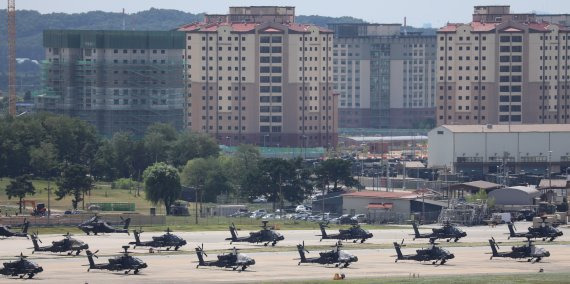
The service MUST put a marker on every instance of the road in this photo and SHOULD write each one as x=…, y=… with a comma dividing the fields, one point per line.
x=168, y=267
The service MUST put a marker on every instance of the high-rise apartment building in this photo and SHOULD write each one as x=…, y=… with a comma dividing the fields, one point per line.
x=116, y=80
x=384, y=75
x=503, y=68
x=255, y=76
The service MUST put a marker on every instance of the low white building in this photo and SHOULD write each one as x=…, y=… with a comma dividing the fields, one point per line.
x=527, y=148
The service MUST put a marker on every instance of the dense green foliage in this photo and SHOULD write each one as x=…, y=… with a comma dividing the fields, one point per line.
x=40, y=144
x=162, y=184
x=74, y=181
x=20, y=187
x=337, y=172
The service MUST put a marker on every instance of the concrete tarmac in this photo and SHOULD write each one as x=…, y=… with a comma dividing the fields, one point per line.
x=167, y=267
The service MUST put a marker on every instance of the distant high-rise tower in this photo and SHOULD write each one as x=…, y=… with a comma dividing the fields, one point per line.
x=503, y=68
x=255, y=76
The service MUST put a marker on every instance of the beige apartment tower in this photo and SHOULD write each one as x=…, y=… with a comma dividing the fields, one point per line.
x=255, y=76
x=502, y=68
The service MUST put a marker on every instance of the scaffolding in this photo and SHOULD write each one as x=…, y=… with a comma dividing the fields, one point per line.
x=116, y=80
x=463, y=213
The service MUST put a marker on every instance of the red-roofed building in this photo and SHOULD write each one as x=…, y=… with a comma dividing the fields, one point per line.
x=257, y=77
x=502, y=68
x=390, y=206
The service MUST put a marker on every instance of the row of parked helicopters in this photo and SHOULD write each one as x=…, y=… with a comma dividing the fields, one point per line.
x=267, y=235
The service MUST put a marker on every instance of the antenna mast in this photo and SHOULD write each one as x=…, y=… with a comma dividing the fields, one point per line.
x=12, y=57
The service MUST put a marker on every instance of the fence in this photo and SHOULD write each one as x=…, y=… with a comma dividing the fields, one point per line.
x=74, y=220
x=380, y=217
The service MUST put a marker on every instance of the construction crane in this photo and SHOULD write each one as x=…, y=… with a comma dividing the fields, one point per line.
x=12, y=57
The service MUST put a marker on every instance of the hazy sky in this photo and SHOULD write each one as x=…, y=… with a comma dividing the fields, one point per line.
x=418, y=12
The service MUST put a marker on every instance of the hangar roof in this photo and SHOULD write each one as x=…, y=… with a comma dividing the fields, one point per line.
x=508, y=128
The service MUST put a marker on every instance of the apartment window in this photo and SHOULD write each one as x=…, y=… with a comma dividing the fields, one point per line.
x=505, y=38
x=517, y=39
x=264, y=39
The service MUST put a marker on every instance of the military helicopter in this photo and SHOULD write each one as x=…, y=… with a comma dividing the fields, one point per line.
x=95, y=225
x=233, y=260
x=545, y=232
x=167, y=240
x=448, y=231
x=266, y=235
x=21, y=268
x=433, y=253
x=6, y=231
x=68, y=244
x=354, y=233
x=118, y=263
x=335, y=256
x=530, y=251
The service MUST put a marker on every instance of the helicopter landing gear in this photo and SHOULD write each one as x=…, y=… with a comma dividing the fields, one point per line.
x=77, y=253
x=136, y=271
x=362, y=241
x=274, y=243
x=31, y=275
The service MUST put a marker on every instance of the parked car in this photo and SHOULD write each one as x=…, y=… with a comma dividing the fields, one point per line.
x=359, y=218
x=241, y=213
x=260, y=199
x=258, y=213
x=344, y=219
x=301, y=208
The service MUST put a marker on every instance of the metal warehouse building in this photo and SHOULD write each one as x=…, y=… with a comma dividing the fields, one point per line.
x=482, y=148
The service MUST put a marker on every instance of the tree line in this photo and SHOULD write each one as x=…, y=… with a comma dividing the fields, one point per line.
x=71, y=152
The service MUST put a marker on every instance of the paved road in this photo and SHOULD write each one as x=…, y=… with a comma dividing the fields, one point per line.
x=180, y=267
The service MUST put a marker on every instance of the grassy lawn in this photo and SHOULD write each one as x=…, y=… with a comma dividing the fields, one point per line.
x=101, y=193
x=536, y=278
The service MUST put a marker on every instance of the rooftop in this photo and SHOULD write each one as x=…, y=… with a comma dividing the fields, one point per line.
x=554, y=183
x=382, y=194
x=474, y=128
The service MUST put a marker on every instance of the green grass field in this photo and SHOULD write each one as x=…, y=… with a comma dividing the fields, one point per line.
x=101, y=193
x=536, y=278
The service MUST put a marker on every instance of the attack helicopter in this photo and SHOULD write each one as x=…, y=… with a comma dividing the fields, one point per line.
x=544, y=232
x=448, y=231
x=6, y=231
x=335, y=256
x=354, y=233
x=433, y=253
x=119, y=263
x=266, y=235
x=530, y=251
x=167, y=241
x=68, y=244
x=21, y=268
x=234, y=259
x=95, y=225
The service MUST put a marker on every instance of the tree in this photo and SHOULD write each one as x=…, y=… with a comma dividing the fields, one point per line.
x=162, y=184
x=20, y=187
x=337, y=172
x=74, y=181
x=278, y=180
x=158, y=141
x=43, y=159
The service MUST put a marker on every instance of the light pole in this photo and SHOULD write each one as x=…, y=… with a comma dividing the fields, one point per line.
x=549, y=169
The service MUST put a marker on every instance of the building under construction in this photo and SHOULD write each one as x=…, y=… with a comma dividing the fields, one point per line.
x=116, y=80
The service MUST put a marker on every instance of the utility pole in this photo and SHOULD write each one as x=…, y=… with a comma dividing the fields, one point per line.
x=49, y=202
x=12, y=97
